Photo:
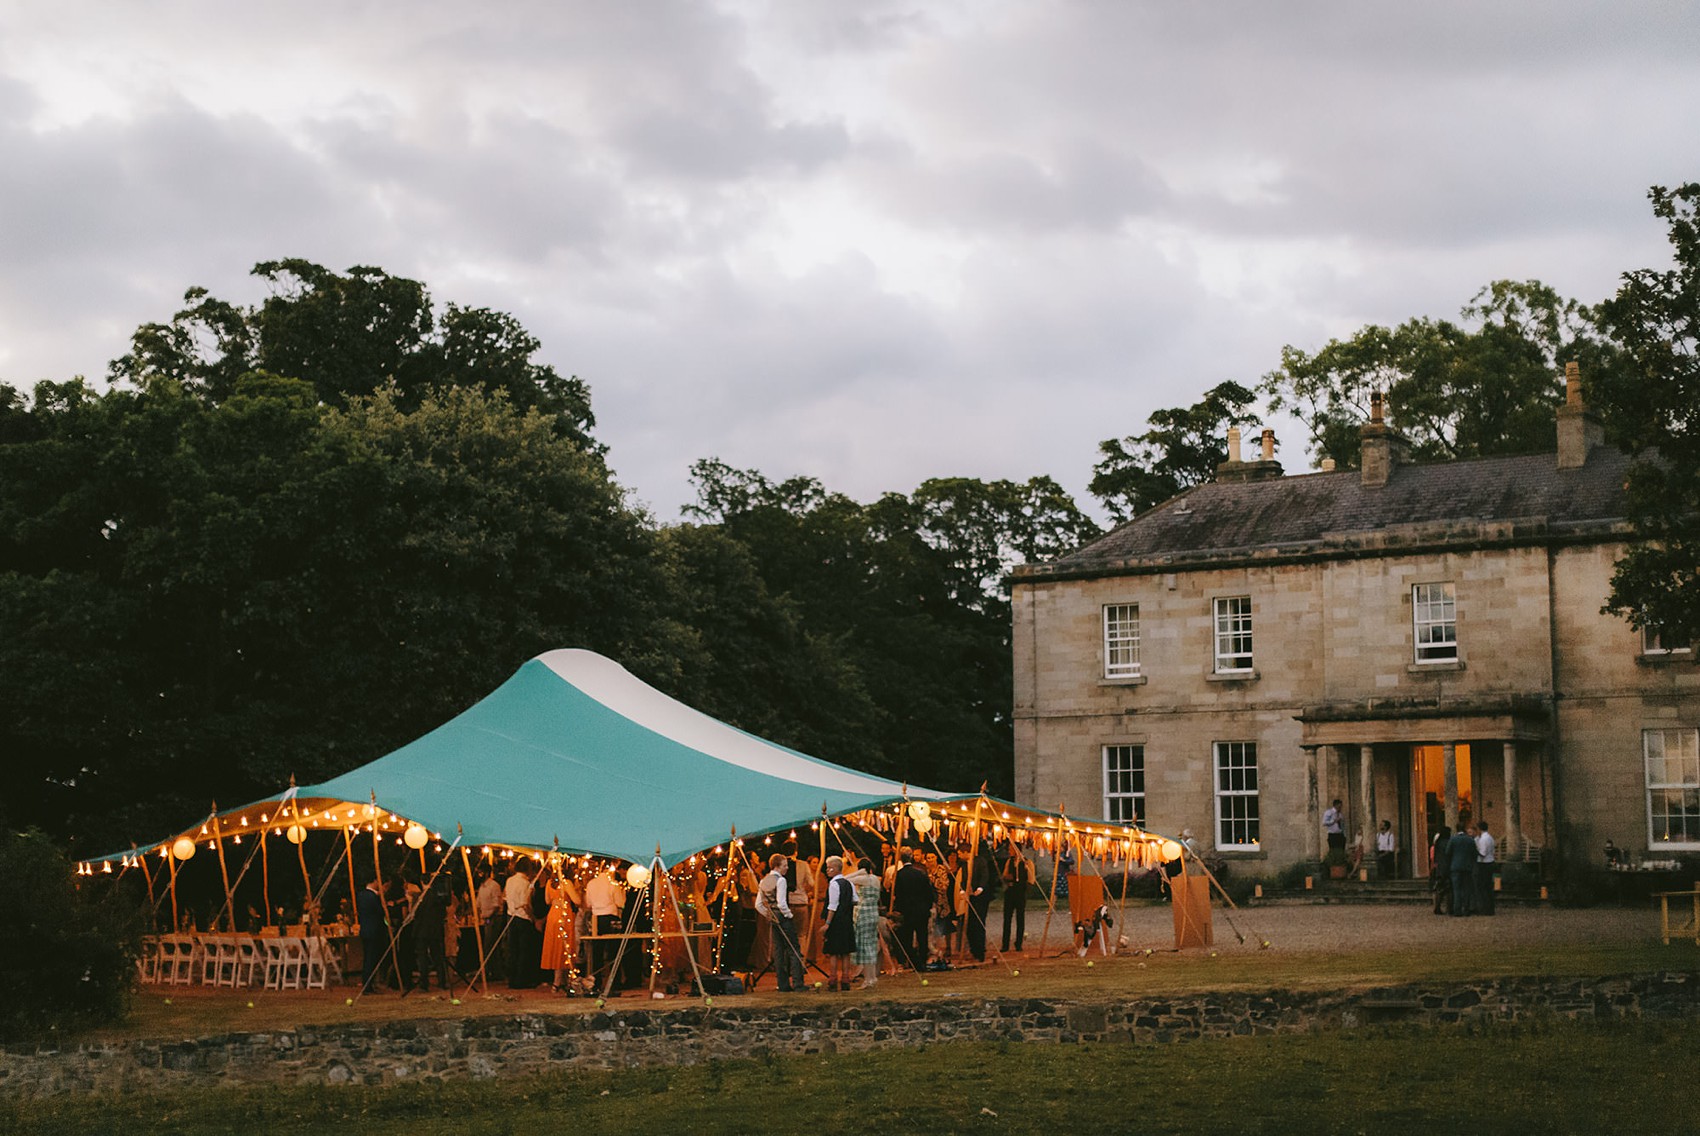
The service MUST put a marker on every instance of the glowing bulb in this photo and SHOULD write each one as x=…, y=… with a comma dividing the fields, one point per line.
x=1171, y=851
x=416, y=837
x=637, y=875
x=296, y=833
x=184, y=849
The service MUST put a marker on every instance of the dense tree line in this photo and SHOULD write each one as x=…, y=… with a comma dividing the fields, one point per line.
x=284, y=539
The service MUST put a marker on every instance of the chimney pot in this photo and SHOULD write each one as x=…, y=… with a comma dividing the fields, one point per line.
x=1327, y=465
x=1579, y=429
x=1572, y=384
x=1268, y=444
x=1233, y=443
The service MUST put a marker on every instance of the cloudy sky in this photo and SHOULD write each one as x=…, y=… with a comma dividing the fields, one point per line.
x=873, y=241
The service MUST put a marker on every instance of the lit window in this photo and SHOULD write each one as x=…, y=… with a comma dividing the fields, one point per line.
x=1236, y=795
x=1434, y=622
x=1233, y=634
x=1121, y=640
x=1124, y=783
x=1653, y=643
x=1673, y=786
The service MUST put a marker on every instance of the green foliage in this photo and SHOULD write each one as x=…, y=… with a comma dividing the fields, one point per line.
x=1488, y=386
x=67, y=952
x=1652, y=410
x=1182, y=448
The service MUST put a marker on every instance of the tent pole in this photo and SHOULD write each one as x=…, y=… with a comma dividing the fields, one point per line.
x=171, y=863
x=690, y=943
x=657, y=921
x=218, y=843
x=353, y=895
x=728, y=883
x=378, y=870
x=620, y=954
x=147, y=874
x=477, y=924
x=1056, y=874
x=266, y=874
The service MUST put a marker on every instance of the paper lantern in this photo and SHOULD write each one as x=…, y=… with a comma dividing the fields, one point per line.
x=637, y=875
x=923, y=825
x=920, y=811
x=415, y=837
x=184, y=849
x=295, y=833
x=1171, y=851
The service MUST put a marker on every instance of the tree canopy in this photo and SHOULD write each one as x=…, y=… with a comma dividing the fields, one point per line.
x=1182, y=448
x=1652, y=410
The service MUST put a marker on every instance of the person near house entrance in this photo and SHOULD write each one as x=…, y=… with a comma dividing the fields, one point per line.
x=1485, y=866
x=1461, y=862
x=1386, y=850
x=1334, y=824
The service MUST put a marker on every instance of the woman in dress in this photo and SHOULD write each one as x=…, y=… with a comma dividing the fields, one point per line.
x=838, y=942
x=560, y=933
x=867, y=955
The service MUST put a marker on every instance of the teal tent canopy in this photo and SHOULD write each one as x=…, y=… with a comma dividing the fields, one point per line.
x=576, y=748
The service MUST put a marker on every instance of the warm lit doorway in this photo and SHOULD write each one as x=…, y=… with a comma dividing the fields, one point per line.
x=1428, y=774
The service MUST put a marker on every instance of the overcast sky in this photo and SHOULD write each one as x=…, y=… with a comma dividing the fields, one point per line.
x=874, y=241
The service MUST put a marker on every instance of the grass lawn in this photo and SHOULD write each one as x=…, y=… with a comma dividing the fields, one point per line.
x=1552, y=1076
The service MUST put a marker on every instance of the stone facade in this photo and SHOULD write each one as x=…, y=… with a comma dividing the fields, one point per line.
x=524, y=1045
x=1537, y=723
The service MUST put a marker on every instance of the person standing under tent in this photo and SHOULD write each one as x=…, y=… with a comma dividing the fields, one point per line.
x=605, y=899
x=773, y=901
x=912, y=898
x=493, y=915
x=523, y=948
x=838, y=936
x=1386, y=851
x=430, y=918
x=868, y=943
x=560, y=933
x=1486, y=863
x=982, y=885
x=1018, y=877
x=372, y=913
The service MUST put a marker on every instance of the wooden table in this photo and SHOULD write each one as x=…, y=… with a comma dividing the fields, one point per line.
x=1691, y=927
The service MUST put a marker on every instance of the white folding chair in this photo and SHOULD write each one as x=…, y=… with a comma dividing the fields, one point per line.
x=177, y=959
x=272, y=965
x=313, y=968
x=294, y=963
x=147, y=962
x=247, y=960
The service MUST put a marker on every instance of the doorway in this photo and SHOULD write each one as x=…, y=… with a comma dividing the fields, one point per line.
x=1428, y=775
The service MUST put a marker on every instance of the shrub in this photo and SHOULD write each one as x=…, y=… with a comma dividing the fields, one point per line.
x=67, y=953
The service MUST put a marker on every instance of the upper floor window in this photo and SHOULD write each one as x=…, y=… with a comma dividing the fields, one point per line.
x=1434, y=622
x=1121, y=640
x=1236, y=795
x=1233, y=633
x=1653, y=643
x=1124, y=783
x=1673, y=786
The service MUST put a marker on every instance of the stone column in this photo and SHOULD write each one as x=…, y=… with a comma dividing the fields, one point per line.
x=1366, y=792
x=1449, y=775
x=1511, y=840
x=1313, y=812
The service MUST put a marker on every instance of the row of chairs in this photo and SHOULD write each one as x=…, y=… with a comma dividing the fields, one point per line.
x=274, y=962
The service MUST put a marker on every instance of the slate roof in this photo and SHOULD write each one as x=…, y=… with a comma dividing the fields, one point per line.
x=1323, y=509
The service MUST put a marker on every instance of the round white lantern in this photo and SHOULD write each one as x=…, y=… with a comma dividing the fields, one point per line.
x=920, y=811
x=184, y=849
x=295, y=834
x=1171, y=851
x=415, y=837
x=638, y=876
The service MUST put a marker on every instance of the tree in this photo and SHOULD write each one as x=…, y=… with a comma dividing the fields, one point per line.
x=1652, y=410
x=1488, y=386
x=1181, y=448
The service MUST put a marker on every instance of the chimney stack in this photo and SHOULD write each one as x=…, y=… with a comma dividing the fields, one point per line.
x=1579, y=429
x=1381, y=446
x=1258, y=470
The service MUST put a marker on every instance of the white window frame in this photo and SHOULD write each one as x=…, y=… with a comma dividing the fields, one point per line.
x=1124, y=799
x=1434, y=623
x=1238, y=815
x=1232, y=634
x=1652, y=643
x=1121, y=640
x=1676, y=750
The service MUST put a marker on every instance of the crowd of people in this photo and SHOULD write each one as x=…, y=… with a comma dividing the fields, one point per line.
x=578, y=930
x=1461, y=867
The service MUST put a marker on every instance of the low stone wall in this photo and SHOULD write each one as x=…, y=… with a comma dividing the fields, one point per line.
x=523, y=1044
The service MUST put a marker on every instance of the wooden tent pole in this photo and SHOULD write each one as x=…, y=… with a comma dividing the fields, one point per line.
x=1056, y=874
x=378, y=870
x=147, y=874
x=171, y=862
x=353, y=895
x=266, y=874
x=229, y=899
x=477, y=923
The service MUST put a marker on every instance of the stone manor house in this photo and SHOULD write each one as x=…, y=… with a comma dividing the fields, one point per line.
x=1419, y=641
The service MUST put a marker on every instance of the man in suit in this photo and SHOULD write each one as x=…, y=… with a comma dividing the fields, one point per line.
x=912, y=898
x=1461, y=857
x=369, y=909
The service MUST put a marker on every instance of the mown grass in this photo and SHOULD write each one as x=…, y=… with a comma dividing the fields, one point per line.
x=1535, y=1077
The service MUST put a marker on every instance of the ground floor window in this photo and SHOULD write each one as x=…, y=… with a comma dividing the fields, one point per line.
x=1236, y=795
x=1673, y=786
x=1124, y=783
